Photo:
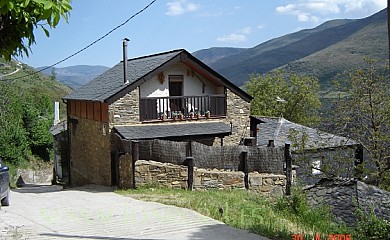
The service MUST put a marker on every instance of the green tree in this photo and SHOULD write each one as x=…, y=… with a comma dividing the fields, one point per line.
x=13, y=137
x=295, y=97
x=19, y=18
x=37, y=118
x=363, y=114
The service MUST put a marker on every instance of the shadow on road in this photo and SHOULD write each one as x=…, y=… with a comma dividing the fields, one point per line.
x=65, y=236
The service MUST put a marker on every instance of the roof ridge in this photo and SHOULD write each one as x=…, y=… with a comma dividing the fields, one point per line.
x=154, y=55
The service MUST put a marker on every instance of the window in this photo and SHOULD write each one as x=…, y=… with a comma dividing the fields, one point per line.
x=316, y=167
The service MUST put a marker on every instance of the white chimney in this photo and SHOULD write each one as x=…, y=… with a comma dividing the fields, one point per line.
x=125, y=81
x=56, y=113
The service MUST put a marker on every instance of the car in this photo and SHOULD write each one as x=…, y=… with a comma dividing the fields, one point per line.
x=4, y=184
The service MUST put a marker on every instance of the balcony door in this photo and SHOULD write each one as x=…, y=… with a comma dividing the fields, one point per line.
x=176, y=92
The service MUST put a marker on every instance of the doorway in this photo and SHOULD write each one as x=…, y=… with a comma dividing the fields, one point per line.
x=176, y=91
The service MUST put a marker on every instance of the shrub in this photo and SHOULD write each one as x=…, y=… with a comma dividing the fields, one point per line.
x=371, y=227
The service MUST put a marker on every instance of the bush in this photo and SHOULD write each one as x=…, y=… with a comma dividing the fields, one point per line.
x=371, y=227
x=320, y=218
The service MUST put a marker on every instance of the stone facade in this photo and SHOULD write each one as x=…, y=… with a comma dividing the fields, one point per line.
x=238, y=112
x=176, y=176
x=90, y=157
x=345, y=196
x=125, y=110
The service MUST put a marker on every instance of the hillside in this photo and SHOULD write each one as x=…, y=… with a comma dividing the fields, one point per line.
x=342, y=43
x=369, y=42
x=75, y=76
x=24, y=79
x=212, y=55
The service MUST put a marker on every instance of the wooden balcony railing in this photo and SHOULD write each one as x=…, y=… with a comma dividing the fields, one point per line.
x=153, y=108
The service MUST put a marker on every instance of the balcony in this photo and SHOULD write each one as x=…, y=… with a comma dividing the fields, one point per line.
x=189, y=107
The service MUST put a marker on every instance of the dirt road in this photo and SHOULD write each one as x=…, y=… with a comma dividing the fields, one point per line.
x=95, y=212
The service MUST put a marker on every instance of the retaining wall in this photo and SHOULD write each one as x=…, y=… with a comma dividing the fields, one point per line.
x=176, y=176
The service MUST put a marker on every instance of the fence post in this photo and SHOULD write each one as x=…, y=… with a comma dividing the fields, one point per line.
x=134, y=157
x=288, y=159
x=190, y=164
x=189, y=149
x=245, y=161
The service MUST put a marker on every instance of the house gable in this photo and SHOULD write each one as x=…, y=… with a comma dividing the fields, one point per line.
x=110, y=86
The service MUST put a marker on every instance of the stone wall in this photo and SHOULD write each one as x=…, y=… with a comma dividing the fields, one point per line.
x=156, y=173
x=125, y=110
x=176, y=176
x=345, y=196
x=238, y=112
x=125, y=171
x=30, y=176
x=90, y=156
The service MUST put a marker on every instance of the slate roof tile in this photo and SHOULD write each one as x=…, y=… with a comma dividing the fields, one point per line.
x=158, y=131
x=278, y=129
x=111, y=81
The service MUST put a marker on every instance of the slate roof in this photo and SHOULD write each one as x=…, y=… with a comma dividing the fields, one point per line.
x=111, y=82
x=160, y=131
x=278, y=129
x=58, y=128
x=110, y=86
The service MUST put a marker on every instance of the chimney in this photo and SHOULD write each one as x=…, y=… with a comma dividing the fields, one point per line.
x=125, y=81
x=56, y=113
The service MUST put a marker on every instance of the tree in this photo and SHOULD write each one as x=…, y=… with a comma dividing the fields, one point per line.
x=37, y=118
x=295, y=97
x=13, y=140
x=19, y=18
x=363, y=114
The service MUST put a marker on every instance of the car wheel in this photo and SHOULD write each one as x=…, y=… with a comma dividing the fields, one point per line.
x=5, y=201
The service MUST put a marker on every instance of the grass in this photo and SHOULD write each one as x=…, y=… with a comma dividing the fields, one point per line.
x=273, y=218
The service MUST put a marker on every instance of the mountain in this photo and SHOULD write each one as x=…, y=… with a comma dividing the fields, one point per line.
x=25, y=79
x=324, y=51
x=75, y=76
x=212, y=55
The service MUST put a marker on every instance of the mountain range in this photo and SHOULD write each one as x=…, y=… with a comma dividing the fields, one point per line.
x=74, y=76
x=325, y=51
x=332, y=48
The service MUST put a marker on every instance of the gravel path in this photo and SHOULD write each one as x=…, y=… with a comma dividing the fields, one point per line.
x=95, y=212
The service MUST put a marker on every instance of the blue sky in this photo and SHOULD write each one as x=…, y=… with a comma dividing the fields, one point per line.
x=188, y=24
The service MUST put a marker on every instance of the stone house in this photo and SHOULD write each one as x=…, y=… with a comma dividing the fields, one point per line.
x=170, y=95
x=316, y=154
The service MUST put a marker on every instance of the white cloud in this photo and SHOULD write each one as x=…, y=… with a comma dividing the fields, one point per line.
x=179, y=7
x=232, y=38
x=312, y=10
x=261, y=26
x=238, y=36
x=245, y=30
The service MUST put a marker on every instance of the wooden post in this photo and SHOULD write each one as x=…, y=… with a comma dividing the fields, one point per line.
x=190, y=181
x=288, y=159
x=134, y=157
x=189, y=149
x=245, y=162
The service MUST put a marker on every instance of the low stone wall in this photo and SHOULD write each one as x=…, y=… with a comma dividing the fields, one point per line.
x=267, y=184
x=29, y=176
x=176, y=176
x=345, y=196
x=165, y=174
